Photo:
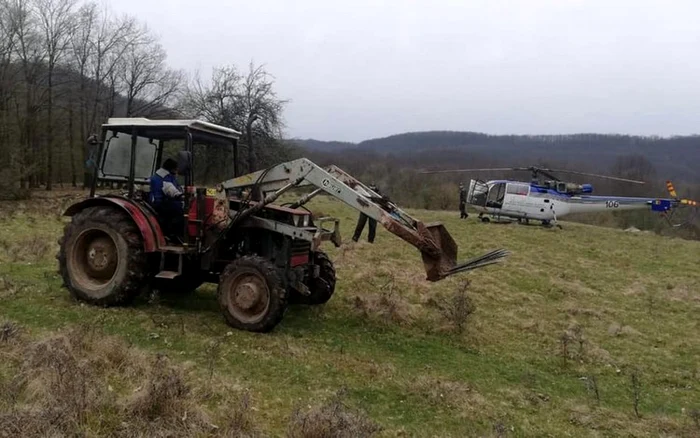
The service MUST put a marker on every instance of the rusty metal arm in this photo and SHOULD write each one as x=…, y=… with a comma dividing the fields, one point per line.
x=437, y=247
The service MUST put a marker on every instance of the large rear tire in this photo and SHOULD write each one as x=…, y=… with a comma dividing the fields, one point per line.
x=101, y=257
x=321, y=287
x=251, y=294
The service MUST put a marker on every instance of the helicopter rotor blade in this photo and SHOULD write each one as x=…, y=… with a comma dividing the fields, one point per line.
x=535, y=171
x=615, y=178
x=495, y=169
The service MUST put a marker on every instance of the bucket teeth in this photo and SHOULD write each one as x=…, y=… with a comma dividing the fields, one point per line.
x=443, y=262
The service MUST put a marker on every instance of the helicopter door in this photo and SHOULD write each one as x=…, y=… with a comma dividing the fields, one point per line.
x=477, y=193
x=496, y=194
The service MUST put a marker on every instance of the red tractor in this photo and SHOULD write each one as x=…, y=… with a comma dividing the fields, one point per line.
x=262, y=256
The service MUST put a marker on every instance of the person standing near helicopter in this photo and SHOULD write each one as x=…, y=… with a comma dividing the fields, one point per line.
x=462, y=202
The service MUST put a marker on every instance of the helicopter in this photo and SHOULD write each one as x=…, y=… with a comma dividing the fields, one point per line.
x=550, y=199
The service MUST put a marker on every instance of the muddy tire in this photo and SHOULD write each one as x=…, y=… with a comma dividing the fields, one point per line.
x=322, y=287
x=101, y=258
x=252, y=295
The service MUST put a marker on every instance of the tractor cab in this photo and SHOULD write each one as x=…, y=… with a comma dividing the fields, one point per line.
x=130, y=150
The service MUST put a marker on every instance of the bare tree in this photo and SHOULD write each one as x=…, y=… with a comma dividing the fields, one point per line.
x=261, y=110
x=248, y=103
x=31, y=54
x=215, y=102
x=111, y=39
x=7, y=81
x=10, y=174
x=149, y=85
x=56, y=22
x=82, y=47
x=101, y=48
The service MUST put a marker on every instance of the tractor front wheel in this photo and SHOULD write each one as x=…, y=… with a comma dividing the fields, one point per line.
x=101, y=257
x=251, y=294
x=322, y=287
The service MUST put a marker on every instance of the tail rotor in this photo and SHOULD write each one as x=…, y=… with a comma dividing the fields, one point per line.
x=681, y=202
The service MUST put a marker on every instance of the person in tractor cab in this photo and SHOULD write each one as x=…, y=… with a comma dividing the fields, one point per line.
x=362, y=220
x=166, y=198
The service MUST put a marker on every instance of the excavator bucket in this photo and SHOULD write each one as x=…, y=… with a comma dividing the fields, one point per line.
x=437, y=267
x=442, y=262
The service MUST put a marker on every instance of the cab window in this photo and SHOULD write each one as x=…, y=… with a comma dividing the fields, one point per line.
x=116, y=159
x=496, y=195
x=518, y=189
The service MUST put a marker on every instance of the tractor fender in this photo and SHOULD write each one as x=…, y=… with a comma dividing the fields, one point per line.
x=144, y=219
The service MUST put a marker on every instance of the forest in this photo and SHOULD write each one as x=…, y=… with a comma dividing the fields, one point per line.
x=67, y=66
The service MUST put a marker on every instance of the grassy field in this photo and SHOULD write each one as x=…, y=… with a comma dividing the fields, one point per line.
x=584, y=331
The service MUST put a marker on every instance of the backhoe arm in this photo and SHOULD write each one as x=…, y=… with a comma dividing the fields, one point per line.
x=438, y=249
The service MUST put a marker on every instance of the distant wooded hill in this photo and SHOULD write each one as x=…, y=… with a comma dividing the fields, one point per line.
x=675, y=158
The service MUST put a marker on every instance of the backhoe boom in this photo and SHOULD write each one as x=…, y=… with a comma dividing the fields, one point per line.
x=438, y=249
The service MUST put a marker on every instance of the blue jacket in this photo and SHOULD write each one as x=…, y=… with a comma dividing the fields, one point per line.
x=163, y=186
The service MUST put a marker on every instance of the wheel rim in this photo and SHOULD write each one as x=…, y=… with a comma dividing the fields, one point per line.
x=94, y=259
x=248, y=297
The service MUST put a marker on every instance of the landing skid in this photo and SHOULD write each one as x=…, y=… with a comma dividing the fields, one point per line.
x=549, y=224
x=495, y=219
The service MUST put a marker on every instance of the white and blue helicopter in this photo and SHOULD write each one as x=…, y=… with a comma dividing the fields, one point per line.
x=551, y=199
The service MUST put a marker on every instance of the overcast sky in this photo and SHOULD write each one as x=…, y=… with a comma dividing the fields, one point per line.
x=359, y=69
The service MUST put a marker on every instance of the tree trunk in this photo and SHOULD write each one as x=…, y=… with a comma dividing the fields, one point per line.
x=83, y=131
x=252, y=165
x=71, y=145
x=49, y=132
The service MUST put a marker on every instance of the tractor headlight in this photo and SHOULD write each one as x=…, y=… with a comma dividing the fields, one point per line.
x=305, y=221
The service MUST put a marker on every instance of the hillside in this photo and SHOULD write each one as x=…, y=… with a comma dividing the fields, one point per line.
x=672, y=157
x=564, y=334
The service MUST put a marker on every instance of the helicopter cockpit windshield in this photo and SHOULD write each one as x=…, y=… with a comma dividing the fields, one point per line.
x=477, y=193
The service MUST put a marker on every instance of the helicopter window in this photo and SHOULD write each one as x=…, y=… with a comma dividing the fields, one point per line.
x=477, y=193
x=496, y=194
x=518, y=189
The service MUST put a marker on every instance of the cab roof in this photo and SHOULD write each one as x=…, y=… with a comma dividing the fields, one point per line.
x=172, y=124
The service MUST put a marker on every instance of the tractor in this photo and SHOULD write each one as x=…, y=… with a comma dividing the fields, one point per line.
x=262, y=255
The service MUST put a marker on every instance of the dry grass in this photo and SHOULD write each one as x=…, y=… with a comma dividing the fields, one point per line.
x=386, y=304
x=458, y=396
x=457, y=308
x=77, y=382
x=333, y=419
x=31, y=249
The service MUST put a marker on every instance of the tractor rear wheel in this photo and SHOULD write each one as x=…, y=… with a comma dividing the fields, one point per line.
x=322, y=287
x=251, y=294
x=101, y=257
